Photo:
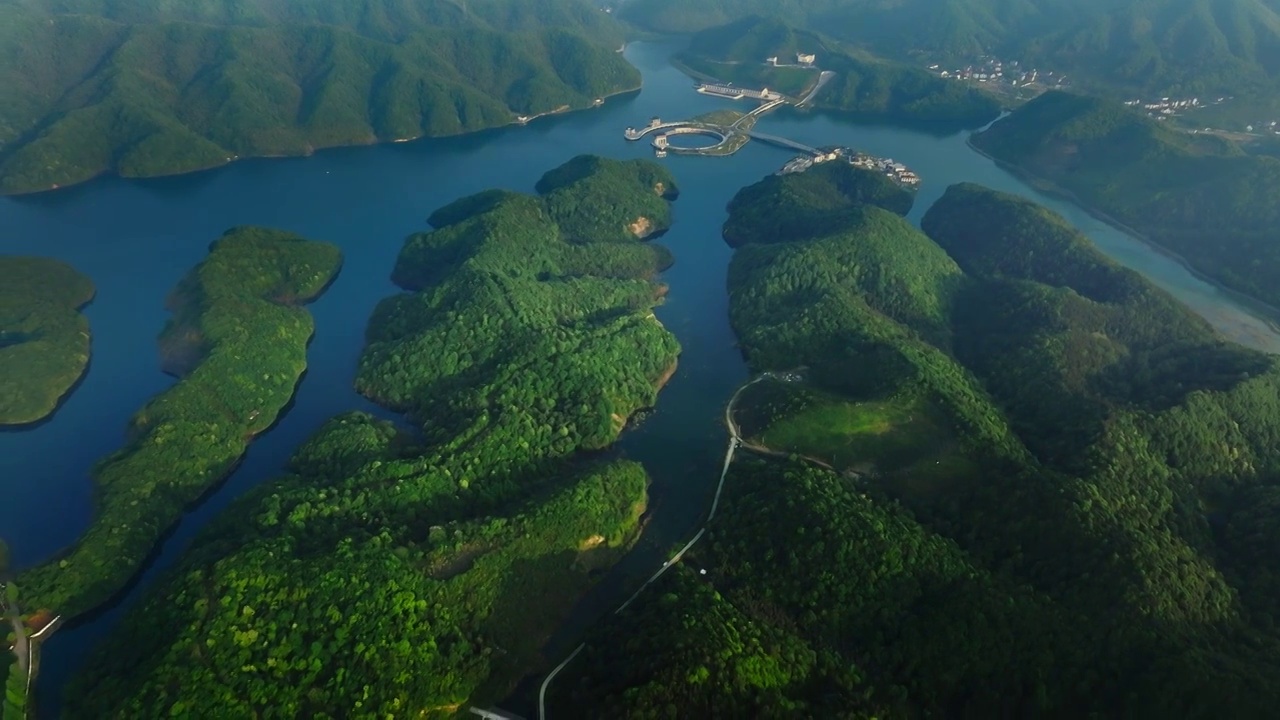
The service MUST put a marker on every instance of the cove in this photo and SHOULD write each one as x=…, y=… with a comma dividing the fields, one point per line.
x=135, y=239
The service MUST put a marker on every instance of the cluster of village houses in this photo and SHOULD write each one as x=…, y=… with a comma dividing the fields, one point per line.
x=1169, y=107
x=895, y=171
x=1165, y=108
x=992, y=70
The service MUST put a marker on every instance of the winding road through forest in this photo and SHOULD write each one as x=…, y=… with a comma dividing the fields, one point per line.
x=26, y=648
x=735, y=441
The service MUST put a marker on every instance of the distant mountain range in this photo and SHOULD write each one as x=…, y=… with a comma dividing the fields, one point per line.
x=150, y=87
x=1154, y=46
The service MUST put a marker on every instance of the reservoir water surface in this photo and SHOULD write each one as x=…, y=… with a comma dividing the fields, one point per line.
x=137, y=238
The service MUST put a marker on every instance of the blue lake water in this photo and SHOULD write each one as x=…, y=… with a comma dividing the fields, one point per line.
x=137, y=238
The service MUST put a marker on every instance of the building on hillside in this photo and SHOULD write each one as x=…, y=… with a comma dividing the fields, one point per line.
x=806, y=58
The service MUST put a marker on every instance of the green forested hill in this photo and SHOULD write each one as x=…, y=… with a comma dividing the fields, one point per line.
x=379, y=19
x=238, y=341
x=754, y=38
x=155, y=88
x=1153, y=46
x=1194, y=195
x=781, y=208
x=1075, y=523
x=417, y=573
x=44, y=340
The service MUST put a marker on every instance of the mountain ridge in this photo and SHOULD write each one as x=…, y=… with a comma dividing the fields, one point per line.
x=86, y=94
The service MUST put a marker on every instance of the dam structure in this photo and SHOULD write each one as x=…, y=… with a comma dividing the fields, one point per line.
x=727, y=138
x=730, y=131
x=737, y=93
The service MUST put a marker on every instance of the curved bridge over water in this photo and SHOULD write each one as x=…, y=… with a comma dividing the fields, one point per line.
x=637, y=133
x=783, y=142
x=660, y=142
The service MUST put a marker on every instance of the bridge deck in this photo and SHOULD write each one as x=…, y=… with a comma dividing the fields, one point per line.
x=642, y=131
x=784, y=142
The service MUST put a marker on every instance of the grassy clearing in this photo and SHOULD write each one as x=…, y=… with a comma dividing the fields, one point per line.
x=880, y=436
x=904, y=442
x=884, y=435
x=719, y=117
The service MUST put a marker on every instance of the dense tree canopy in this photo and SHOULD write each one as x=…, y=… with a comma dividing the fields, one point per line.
x=416, y=573
x=238, y=340
x=155, y=88
x=1089, y=531
x=301, y=608
x=532, y=316
x=44, y=340
x=824, y=198
x=1195, y=195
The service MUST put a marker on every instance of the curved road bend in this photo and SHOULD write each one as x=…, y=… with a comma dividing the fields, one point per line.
x=26, y=649
x=735, y=441
x=824, y=77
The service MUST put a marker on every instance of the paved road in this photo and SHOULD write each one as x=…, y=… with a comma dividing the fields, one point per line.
x=784, y=142
x=641, y=132
x=25, y=649
x=823, y=78
x=762, y=109
x=735, y=441
x=22, y=646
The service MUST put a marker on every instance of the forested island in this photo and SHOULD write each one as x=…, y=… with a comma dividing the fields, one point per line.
x=416, y=572
x=862, y=86
x=238, y=341
x=44, y=340
x=1057, y=495
x=1198, y=196
x=1145, y=48
x=157, y=88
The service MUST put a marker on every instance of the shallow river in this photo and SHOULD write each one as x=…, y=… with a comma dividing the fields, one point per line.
x=137, y=238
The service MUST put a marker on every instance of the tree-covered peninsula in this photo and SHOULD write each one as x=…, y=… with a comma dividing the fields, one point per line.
x=416, y=573
x=1196, y=195
x=1056, y=503
x=155, y=88
x=862, y=85
x=44, y=340
x=237, y=341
